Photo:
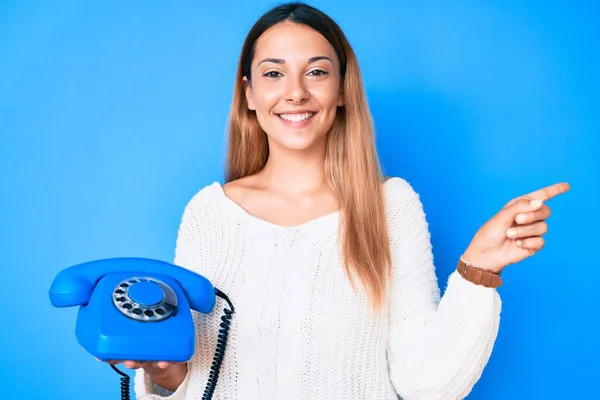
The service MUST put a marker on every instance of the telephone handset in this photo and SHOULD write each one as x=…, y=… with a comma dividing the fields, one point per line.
x=139, y=309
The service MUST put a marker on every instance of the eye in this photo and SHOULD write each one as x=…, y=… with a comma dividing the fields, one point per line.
x=272, y=74
x=318, y=72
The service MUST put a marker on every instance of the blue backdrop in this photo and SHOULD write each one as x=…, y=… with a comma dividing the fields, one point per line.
x=112, y=115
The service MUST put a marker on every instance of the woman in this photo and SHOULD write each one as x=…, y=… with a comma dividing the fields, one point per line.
x=328, y=264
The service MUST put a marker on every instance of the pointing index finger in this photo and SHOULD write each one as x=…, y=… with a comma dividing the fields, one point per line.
x=549, y=192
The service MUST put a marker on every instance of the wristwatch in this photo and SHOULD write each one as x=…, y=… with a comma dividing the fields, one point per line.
x=478, y=276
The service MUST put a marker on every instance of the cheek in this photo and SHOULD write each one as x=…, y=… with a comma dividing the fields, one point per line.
x=265, y=98
x=326, y=96
x=263, y=118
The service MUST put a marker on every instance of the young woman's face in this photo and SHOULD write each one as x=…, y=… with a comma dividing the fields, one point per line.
x=295, y=86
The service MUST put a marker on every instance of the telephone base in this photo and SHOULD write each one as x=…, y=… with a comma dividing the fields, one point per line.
x=103, y=331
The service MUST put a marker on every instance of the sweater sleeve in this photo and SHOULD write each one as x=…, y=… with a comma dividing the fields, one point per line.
x=437, y=347
x=185, y=256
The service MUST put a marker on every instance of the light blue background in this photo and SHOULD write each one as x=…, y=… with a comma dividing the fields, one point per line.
x=112, y=115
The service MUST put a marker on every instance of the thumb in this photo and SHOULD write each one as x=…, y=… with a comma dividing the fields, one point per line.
x=507, y=215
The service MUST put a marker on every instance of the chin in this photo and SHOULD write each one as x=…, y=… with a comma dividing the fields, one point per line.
x=298, y=140
x=297, y=145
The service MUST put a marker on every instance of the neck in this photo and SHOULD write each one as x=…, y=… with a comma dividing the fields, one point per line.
x=295, y=171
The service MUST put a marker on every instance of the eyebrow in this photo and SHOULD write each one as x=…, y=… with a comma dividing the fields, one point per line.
x=282, y=61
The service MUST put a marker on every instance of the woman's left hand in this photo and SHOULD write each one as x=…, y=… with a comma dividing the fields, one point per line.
x=515, y=232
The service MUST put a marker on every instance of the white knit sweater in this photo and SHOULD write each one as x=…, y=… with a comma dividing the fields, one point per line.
x=299, y=330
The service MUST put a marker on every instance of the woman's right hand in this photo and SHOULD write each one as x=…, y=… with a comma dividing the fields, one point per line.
x=168, y=375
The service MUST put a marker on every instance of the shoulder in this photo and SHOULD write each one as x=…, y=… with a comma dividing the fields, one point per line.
x=237, y=190
x=397, y=190
x=204, y=199
x=404, y=208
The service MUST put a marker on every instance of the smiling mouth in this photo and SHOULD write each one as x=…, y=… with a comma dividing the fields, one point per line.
x=297, y=117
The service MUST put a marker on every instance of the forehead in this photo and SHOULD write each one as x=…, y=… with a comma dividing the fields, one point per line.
x=292, y=42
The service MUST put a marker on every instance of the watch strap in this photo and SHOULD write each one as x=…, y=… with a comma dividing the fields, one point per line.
x=477, y=275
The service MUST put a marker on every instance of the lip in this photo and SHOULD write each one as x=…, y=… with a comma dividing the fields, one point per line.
x=296, y=112
x=297, y=124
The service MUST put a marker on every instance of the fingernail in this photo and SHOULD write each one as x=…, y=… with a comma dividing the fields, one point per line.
x=535, y=203
x=520, y=218
x=511, y=232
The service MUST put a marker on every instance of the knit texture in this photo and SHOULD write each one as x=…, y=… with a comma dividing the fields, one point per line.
x=300, y=331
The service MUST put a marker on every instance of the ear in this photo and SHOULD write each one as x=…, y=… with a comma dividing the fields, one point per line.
x=248, y=91
x=340, y=101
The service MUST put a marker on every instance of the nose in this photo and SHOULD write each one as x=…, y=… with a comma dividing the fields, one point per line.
x=297, y=92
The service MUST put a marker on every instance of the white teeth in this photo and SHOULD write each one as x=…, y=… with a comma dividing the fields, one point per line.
x=296, y=117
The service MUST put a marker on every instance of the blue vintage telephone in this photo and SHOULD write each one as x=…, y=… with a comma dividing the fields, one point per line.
x=139, y=309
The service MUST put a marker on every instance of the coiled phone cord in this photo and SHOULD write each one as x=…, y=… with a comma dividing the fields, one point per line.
x=124, y=383
x=221, y=345
x=215, y=368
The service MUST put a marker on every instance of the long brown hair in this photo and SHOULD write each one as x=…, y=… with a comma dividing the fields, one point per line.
x=352, y=163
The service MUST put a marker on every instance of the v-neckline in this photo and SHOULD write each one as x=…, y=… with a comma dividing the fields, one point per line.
x=321, y=221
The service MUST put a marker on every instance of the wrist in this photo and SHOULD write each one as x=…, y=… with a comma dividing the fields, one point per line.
x=478, y=276
x=480, y=261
